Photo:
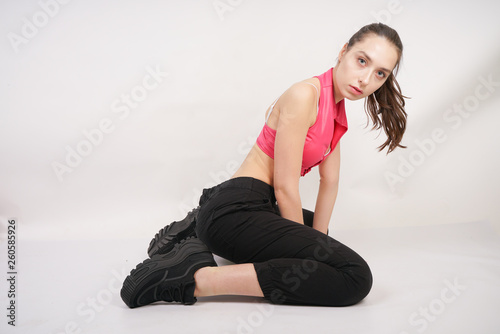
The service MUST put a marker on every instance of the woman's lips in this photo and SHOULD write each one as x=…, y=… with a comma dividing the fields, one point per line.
x=355, y=90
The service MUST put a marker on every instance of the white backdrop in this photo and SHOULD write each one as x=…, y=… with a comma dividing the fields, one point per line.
x=116, y=114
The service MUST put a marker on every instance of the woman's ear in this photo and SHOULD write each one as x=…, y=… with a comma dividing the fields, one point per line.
x=343, y=52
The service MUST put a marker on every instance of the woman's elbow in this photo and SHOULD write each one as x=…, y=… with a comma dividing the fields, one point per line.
x=329, y=180
x=285, y=193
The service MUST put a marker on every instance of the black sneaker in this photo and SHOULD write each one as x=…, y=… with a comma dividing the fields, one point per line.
x=171, y=234
x=168, y=277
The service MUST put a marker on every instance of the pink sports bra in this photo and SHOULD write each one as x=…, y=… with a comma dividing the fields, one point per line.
x=322, y=136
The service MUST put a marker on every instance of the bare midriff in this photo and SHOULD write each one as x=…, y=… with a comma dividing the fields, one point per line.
x=258, y=165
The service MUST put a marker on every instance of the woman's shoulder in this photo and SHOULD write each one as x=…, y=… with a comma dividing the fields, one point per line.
x=304, y=91
x=301, y=100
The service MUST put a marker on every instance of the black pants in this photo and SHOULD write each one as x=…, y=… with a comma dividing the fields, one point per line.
x=295, y=264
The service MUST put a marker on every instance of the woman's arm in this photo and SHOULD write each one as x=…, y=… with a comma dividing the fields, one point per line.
x=297, y=114
x=328, y=188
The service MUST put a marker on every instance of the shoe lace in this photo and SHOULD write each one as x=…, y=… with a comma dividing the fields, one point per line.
x=175, y=293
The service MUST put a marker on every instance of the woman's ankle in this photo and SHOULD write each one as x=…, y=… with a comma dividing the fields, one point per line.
x=203, y=281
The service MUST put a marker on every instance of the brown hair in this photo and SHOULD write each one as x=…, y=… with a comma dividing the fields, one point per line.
x=386, y=105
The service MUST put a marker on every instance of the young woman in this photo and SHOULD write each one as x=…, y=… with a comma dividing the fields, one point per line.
x=255, y=219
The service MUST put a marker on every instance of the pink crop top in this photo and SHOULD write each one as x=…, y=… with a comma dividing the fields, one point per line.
x=322, y=136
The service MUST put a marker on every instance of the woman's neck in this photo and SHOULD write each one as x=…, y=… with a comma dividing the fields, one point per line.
x=336, y=93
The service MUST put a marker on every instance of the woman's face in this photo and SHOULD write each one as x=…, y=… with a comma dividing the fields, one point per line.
x=364, y=68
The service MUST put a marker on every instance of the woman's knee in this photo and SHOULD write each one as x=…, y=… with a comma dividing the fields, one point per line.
x=356, y=283
x=361, y=281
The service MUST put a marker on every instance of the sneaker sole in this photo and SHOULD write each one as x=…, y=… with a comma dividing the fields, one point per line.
x=176, y=232
x=133, y=286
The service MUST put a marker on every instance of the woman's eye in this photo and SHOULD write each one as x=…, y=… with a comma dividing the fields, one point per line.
x=362, y=61
x=381, y=74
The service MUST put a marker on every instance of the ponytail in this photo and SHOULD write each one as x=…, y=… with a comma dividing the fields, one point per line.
x=386, y=110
